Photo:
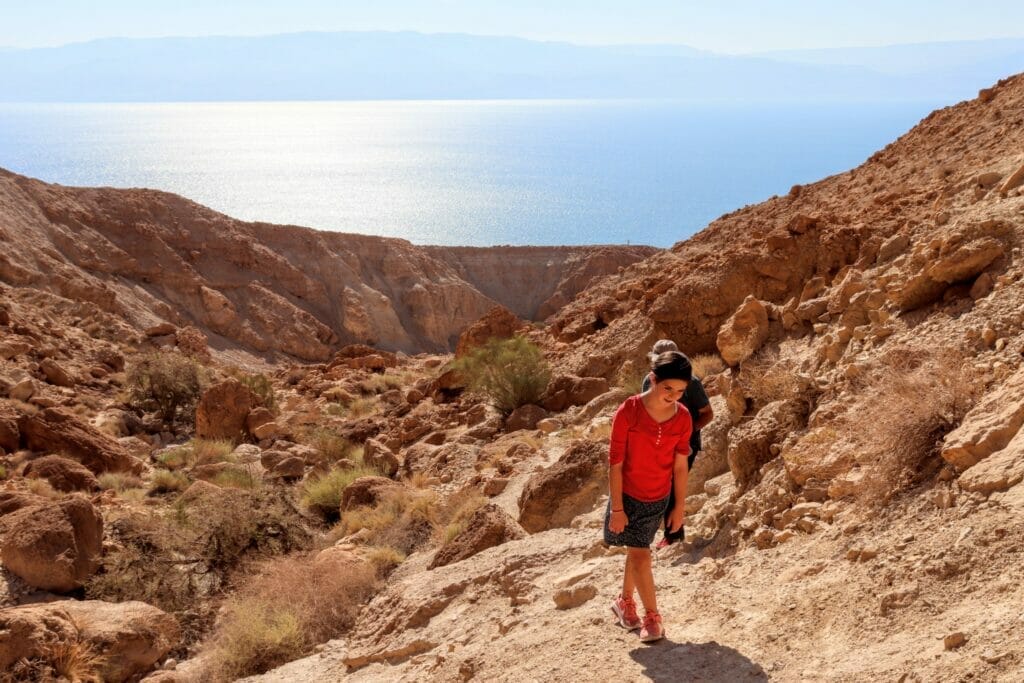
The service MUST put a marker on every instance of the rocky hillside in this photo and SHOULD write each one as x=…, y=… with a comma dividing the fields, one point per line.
x=149, y=257
x=855, y=515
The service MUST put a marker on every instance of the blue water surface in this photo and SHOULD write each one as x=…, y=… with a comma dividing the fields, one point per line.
x=457, y=172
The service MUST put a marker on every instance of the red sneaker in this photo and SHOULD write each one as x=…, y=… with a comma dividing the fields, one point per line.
x=625, y=612
x=652, y=629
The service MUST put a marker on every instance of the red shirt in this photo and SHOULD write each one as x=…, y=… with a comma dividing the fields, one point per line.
x=647, y=448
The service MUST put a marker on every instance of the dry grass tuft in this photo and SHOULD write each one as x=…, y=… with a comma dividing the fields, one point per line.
x=291, y=606
x=41, y=487
x=78, y=662
x=331, y=446
x=766, y=378
x=322, y=494
x=210, y=451
x=119, y=481
x=165, y=481
x=707, y=364
x=404, y=520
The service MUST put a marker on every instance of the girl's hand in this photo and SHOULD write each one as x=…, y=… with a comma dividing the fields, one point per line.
x=617, y=523
x=677, y=518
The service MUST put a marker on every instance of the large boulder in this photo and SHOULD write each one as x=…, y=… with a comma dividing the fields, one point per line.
x=487, y=527
x=62, y=473
x=377, y=454
x=57, y=430
x=54, y=545
x=571, y=486
x=368, y=491
x=223, y=409
x=569, y=390
x=55, y=373
x=499, y=323
x=128, y=637
x=744, y=332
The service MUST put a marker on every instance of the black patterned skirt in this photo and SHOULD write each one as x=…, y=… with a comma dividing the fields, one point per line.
x=644, y=519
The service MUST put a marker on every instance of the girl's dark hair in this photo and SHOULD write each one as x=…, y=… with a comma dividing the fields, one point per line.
x=671, y=365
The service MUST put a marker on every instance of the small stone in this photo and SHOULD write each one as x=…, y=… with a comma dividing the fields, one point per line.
x=23, y=390
x=991, y=657
x=495, y=486
x=160, y=330
x=954, y=640
x=574, y=596
x=549, y=425
x=988, y=336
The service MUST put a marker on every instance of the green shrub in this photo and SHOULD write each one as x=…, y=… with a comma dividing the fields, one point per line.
x=166, y=382
x=176, y=458
x=510, y=372
x=322, y=494
x=261, y=385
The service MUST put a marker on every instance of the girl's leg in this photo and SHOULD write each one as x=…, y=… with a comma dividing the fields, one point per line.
x=628, y=583
x=638, y=565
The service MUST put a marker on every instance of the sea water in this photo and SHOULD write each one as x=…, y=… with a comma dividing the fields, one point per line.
x=457, y=172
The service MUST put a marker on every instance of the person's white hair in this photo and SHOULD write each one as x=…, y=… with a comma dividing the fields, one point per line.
x=660, y=347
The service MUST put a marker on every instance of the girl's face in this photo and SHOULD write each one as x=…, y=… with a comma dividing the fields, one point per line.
x=669, y=390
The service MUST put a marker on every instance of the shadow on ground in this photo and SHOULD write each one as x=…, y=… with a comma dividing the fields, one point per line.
x=667, y=661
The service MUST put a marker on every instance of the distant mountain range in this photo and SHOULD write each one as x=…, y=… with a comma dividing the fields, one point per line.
x=407, y=65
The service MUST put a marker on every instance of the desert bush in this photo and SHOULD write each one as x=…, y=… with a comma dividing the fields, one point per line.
x=766, y=378
x=179, y=559
x=166, y=382
x=322, y=494
x=630, y=376
x=291, y=606
x=165, y=481
x=923, y=396
x=261, y=385
x=510, y=372
x=404, y=520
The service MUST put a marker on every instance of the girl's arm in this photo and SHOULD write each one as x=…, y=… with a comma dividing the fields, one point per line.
x=616, y=457
x=618, y=519
x=680, y=472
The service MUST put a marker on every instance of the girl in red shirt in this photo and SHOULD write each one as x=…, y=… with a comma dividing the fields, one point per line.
x=647, y=457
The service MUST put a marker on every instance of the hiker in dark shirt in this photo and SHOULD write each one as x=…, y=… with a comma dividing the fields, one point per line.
x=696, y=401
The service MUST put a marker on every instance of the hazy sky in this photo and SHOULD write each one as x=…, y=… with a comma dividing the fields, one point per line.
x=722, y=25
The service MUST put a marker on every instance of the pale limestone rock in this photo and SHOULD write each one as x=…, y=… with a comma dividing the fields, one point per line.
x=744, y=332
x=989, y=426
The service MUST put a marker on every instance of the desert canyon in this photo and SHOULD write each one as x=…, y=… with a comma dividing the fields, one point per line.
x=856, y=514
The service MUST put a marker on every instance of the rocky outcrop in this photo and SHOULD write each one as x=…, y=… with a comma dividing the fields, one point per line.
x=57, y=430
x=744, y=332
x=751, y=443
x=989, y=426
x=223, y=409
x=557, y=494
x=499, y=323
x=564, y=391
x=487, y=527
x=53, y=545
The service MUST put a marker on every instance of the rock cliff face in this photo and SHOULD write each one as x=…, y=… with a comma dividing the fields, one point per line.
x=152, y=257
